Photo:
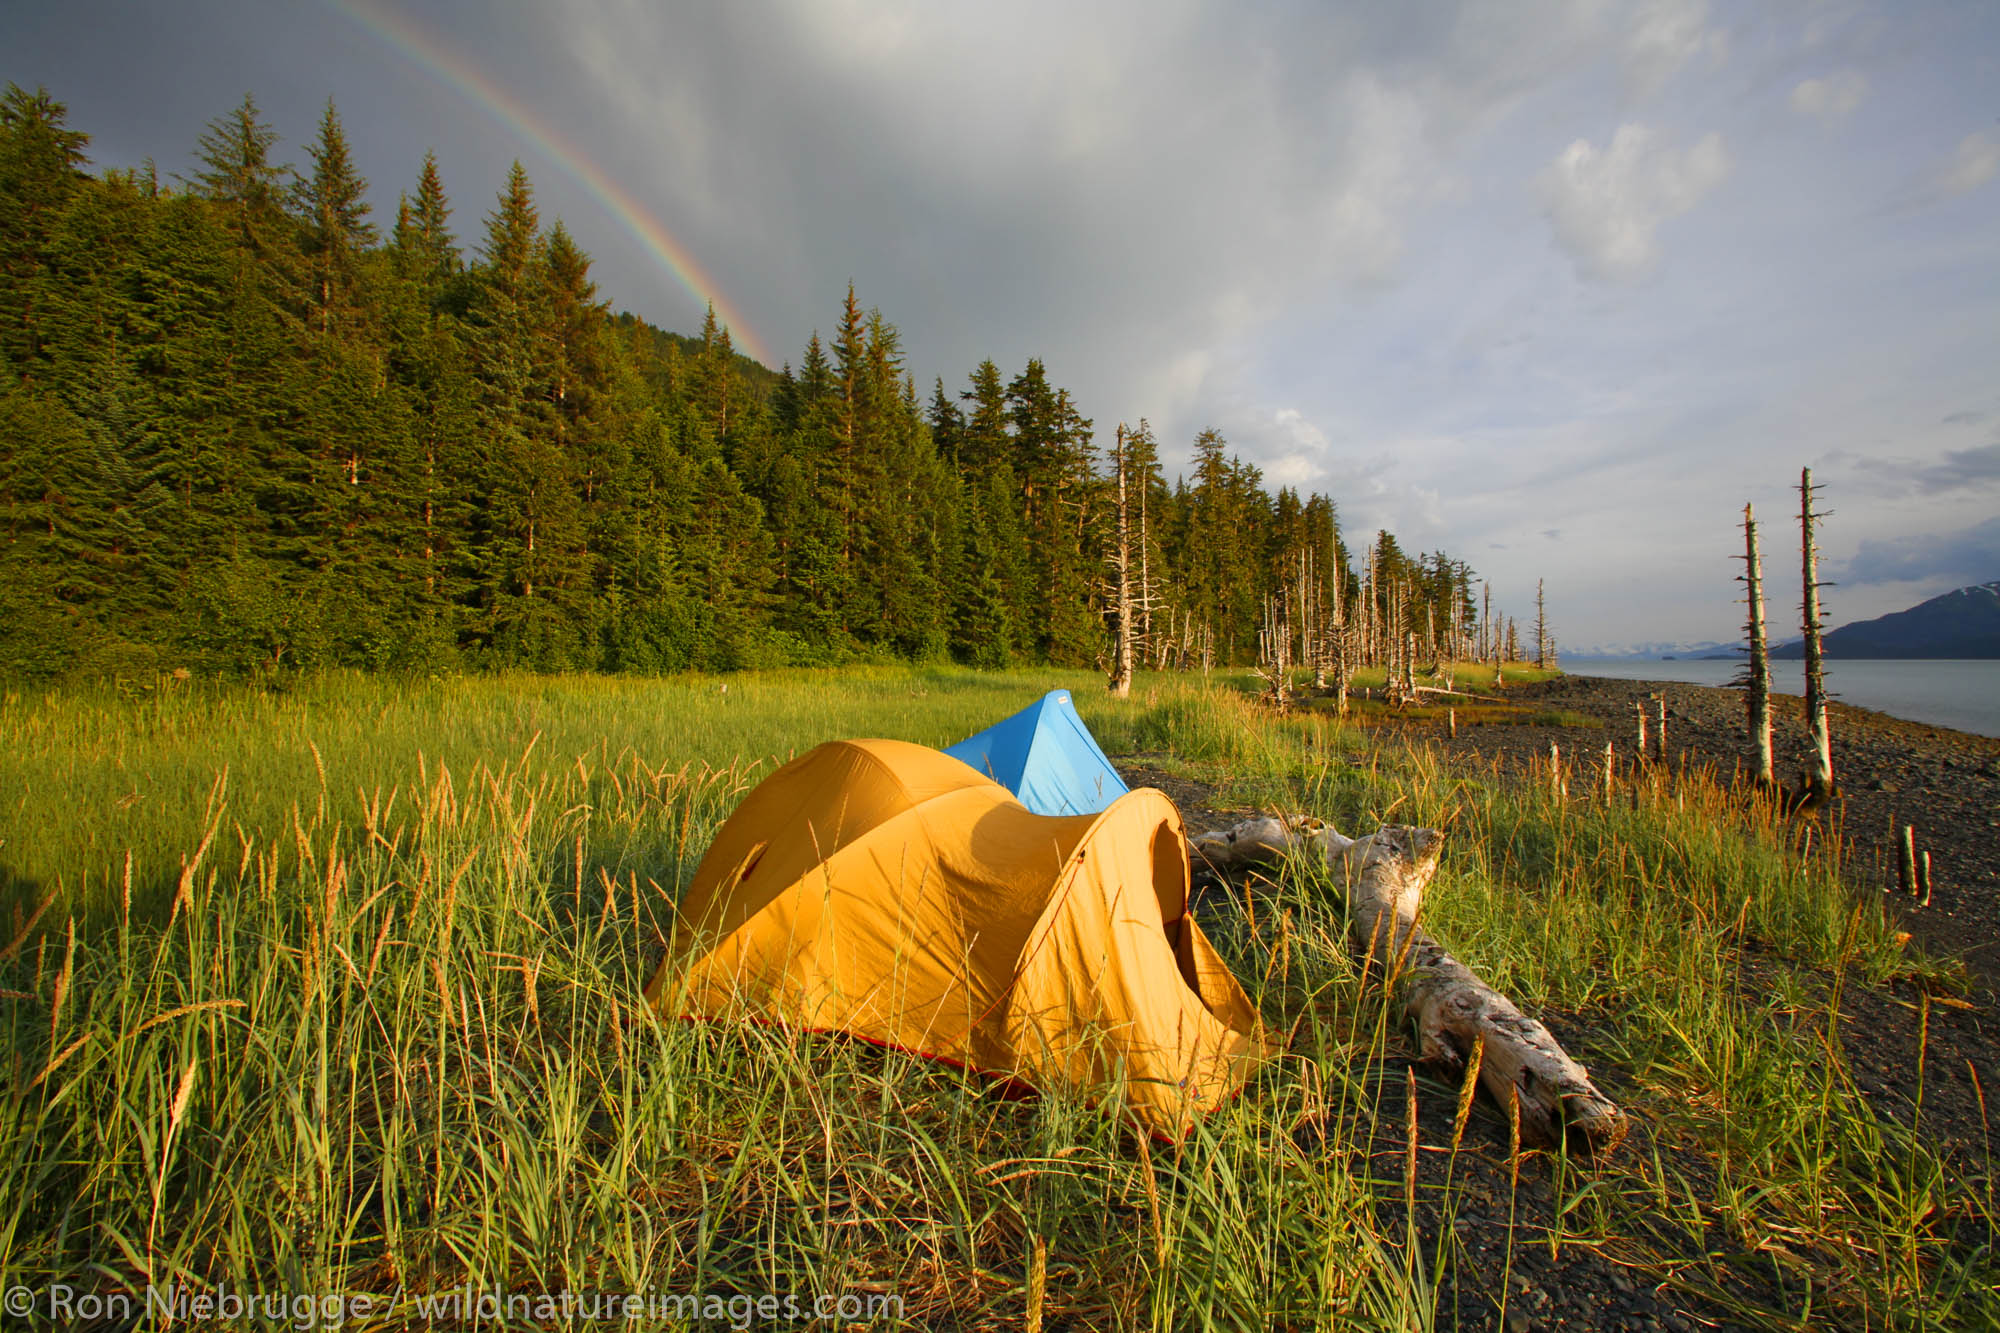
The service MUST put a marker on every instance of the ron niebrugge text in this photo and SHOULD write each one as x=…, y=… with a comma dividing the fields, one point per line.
x=62, y=1303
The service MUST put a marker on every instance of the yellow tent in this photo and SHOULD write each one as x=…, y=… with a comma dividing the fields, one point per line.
x=892, y=892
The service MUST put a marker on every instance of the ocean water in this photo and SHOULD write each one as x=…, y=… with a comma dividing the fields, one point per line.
x=1950, y=692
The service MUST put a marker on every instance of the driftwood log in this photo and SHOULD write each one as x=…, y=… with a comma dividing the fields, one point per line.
x=1384, y=875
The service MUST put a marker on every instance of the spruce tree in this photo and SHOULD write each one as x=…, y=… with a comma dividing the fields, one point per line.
x=947, y=424
x=238, y=175
x=41, y=169
x=425, y=247
x=333, y=205
x=511, y=229
x=985, y=443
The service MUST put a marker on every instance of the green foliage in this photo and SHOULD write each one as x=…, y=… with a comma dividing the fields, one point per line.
x=242, y=431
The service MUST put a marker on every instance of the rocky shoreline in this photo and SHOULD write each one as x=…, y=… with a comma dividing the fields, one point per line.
x=1890, y=772
x=1926, y=1060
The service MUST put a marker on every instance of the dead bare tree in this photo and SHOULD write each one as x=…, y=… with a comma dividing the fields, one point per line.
x=1756, y=677
x=1541, y=629
x=1819, y=780
x=1121, y=569
x=1145, y=564
x=1164, y=645
x=1339, y=646
x=1486, y=648
x=1311, y=630
x=1274, y=648
x=1455, y=623
x=1370, y=621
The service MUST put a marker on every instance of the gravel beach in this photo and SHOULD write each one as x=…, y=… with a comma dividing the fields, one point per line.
x=1890, y=772
x=1924, y=1060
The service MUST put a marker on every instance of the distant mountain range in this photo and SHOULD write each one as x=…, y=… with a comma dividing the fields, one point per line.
x=1965, y=623
x=1654, y=652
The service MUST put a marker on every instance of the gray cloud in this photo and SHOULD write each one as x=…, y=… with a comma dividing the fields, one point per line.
x=1091, y=186
x=1116, y=164
x=1957, y=470
x=1949, y=560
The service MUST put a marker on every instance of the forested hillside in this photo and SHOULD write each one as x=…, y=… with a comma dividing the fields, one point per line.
x=246, y=426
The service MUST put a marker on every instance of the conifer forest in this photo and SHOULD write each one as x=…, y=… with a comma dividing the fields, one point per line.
x=247, y=427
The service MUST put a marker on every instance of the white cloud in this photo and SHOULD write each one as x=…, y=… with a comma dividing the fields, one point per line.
x=1303, y=433
x=1290, y=448
x=1606, y=205
x=1831, y=99
x=1388, y=166
x=1295, y=470
x=1665, y=35
x=1975, y=163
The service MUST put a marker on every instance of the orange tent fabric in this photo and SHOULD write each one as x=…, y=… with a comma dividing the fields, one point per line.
x=889, y=891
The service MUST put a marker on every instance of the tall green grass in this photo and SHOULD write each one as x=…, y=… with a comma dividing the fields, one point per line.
x=364, y=1016
x=1707, y=956
x=88, y=777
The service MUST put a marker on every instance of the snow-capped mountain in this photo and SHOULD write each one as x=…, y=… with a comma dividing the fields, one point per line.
x=1653, y=652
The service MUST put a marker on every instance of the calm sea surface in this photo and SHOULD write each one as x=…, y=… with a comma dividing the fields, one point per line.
x=1949, y=693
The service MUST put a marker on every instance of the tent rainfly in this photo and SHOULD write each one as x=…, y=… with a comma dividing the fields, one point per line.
x=1047, y=758
x=884, y=890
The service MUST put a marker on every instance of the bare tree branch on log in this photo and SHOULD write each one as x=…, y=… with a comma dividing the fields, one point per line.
x=1455, y=1013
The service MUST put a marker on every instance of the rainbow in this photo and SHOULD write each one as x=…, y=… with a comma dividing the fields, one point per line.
x=413, y=43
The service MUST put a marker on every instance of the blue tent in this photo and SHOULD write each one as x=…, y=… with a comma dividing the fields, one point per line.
x=1047, y=758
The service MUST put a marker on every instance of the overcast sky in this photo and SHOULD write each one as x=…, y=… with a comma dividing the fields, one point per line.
x=1554, y=285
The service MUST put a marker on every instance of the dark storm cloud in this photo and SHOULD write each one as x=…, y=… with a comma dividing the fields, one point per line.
x=1950, y=559
x=1957, y=470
